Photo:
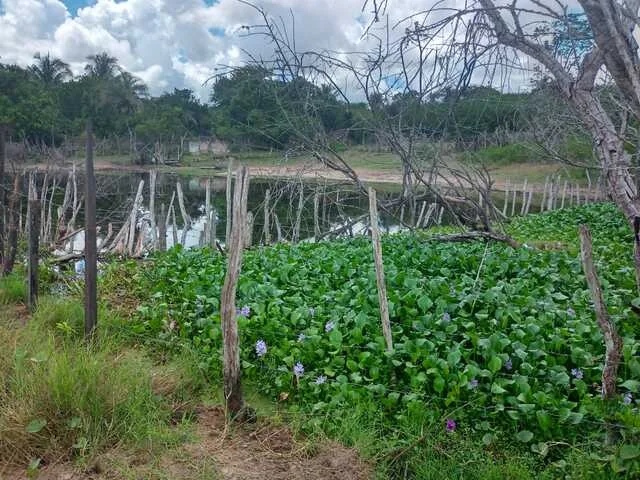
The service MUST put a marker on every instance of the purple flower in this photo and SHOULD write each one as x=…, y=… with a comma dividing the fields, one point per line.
x=571, y=312
x=627, y=399
x=451, y=425
x=261, y=348
x=577, y=373
x=329, y=326
x=301, y=337
x=312, y=311
x=446, y=318
x=298, y=370
x=244, y=311
x=473, y=383
x=508, y=364
x=320, y=380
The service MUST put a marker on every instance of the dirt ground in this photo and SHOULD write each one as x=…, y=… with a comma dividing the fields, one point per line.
x=244, y=452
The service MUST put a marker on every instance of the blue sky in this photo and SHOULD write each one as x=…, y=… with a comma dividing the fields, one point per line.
x=74, y=5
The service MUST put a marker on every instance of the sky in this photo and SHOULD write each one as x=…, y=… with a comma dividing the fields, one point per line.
x=167, y=43
x=176, y=43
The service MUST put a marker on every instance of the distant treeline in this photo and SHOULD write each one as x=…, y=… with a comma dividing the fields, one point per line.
x=249, y=108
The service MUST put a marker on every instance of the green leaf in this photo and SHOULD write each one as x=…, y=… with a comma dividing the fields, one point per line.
x=627, y=452
x=524, y=436
x=631, y=385
x=495, y=364
x=488, y=438
x=438, y=384
x=35, y=425
x=425, y=303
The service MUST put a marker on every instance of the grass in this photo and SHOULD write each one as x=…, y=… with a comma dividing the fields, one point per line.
x=12, y=289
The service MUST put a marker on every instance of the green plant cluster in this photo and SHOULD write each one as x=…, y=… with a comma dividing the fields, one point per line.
x=495, y=338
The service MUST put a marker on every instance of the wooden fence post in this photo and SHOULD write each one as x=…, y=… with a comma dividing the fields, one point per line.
x=134, y=214
x=296, y=227
x=612, y=340
x=506, y=198
x=377, y=257
x=90, y=244
x=231, y=348
x=207, y=213
x=316, y=213
x=33, y=226
x=3, y=152
x=227, y=236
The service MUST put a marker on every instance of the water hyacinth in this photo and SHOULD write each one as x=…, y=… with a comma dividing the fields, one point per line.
x=329, y=326
x=473, y=383
x=301, y=337
x=451, y=425
x=320, y=380
x=627, y=399
x=312, y=311
x=261, y=348
x=446, y=318
x=571, y=312
x=244, y=311
x=577, y=373
x=298, y=370
x=508, y=364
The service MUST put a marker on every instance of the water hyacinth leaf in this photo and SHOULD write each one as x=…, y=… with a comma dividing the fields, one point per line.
x=524, y=436
x=544, y=420
x=541, y=448
x=35, y=426
x=438, y=384
x=497, y=389
x=495, y=364
x=631, y=385
x=627, y=452
x=425, y=303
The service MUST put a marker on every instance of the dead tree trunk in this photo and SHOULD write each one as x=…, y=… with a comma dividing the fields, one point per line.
x=231, y=348
x=162, y=229
x=3, y=153
x=90, y=243
x=377, y=256
x=153, y=177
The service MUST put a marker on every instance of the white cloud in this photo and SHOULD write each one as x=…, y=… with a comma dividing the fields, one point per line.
x=176, y=43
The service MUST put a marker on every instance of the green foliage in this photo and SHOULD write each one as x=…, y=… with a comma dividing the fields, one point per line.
x=59, y=397
x=521, y=327
x=504, y=154
x=12, y=289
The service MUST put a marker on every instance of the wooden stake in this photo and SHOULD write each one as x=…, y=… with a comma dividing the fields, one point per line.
x=421, y=216
x=267, y=219
x=506, y=199
x=377, y=257
x=227, y=236
x=278, y=228
x=162, y=229
x=316, y=212
x=524, y=197
x=564, y=194
x=174, y=226
x=90, y=242
x=231, y=347
x=248, y=234
x=513, y=202
x=296, y=227
x=207, y=211
x=134, y=217
x=153, y=177
x=612, y=340
x=33, y=245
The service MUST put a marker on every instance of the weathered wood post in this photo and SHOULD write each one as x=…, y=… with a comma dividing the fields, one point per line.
x=564, y=194
x=316, y=213
x=506, y=198
x=153, y=177
x=227, y=236
x=524, y=198
x=248, y=234
x=33, y=234
x=12, y=234
x=90, y=243
x=377, y=257
x=133, y=218
x=207, y=213
x=267, y=219
x=543, y=204
x=186, y=218
x=612, y=340
x=162, y=229
x=513, y=201
x=231, y=348
x=296, y=228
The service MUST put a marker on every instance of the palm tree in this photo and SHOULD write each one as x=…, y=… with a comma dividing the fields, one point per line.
x=102, y=65
x=48, y=70
x=133, y=84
